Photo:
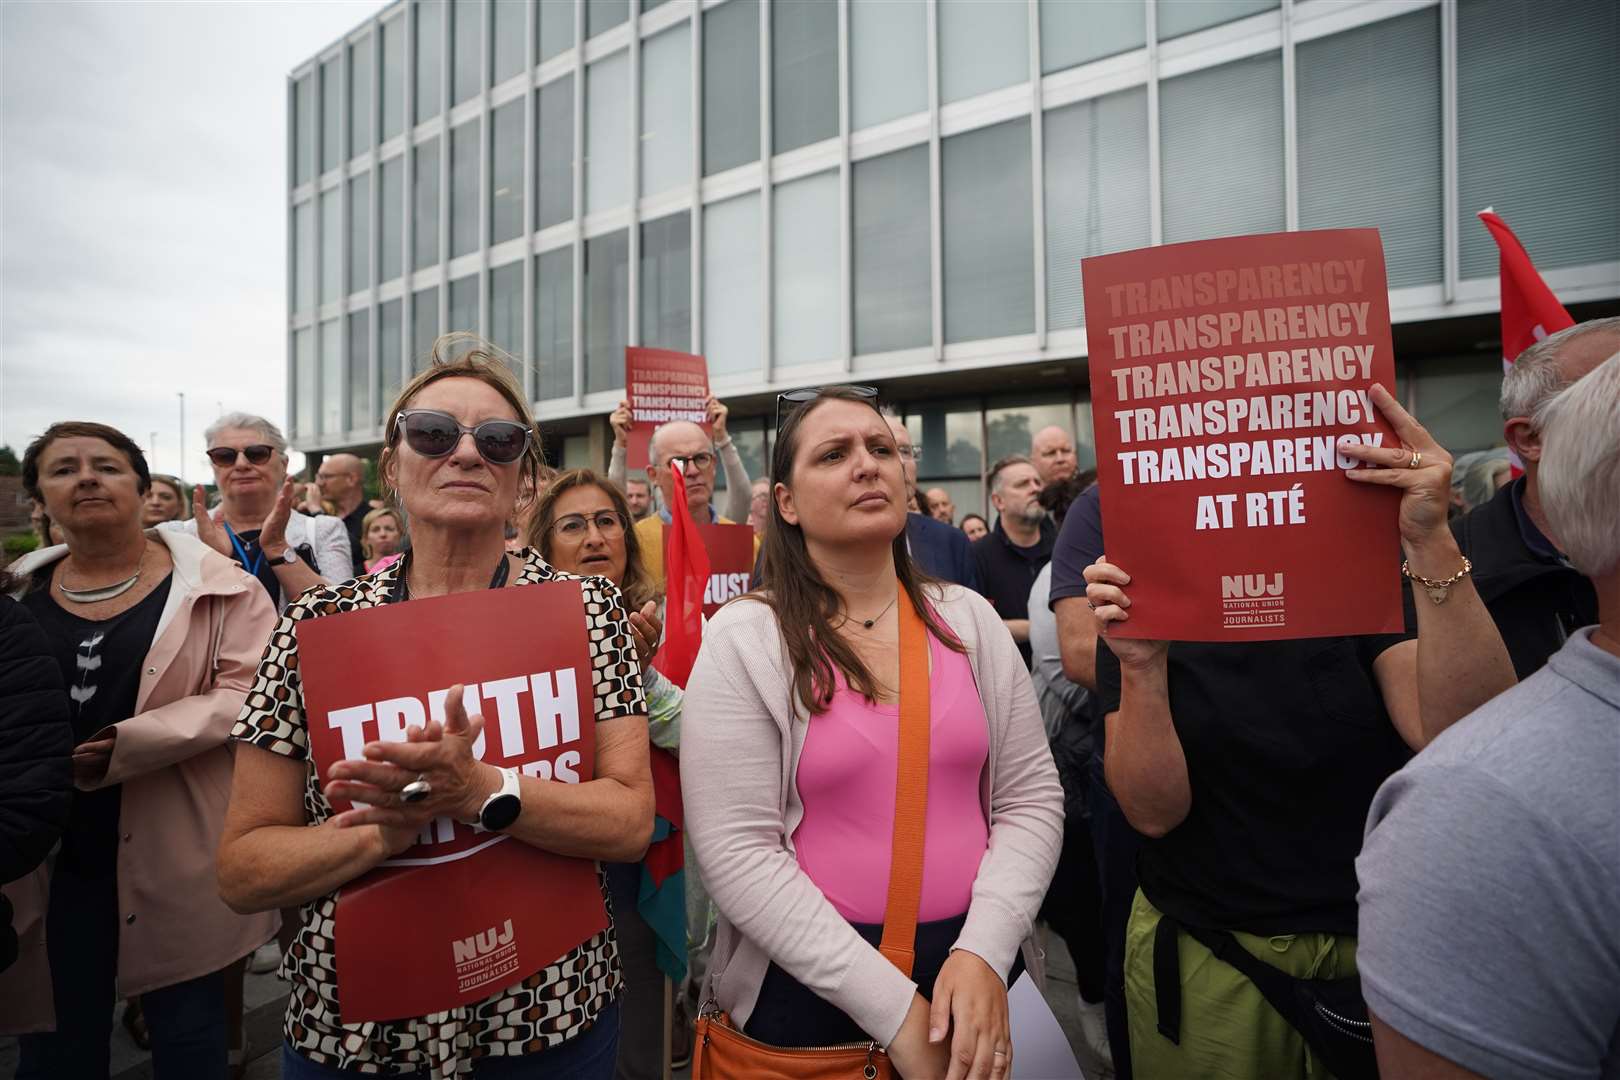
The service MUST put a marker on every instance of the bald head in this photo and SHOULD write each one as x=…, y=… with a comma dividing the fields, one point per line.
x=1052, y=452
x=688, y=441
x=342, y=479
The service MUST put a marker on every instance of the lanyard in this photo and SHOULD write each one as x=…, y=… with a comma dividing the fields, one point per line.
x=257, y=562
x=398, y=591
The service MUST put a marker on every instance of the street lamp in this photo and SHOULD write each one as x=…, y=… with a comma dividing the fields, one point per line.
x=181, y=473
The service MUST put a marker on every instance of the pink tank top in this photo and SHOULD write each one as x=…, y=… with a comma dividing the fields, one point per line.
x=846, y=780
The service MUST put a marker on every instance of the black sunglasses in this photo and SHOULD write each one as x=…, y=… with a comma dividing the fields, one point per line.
x=435, y=434
x=810, y=393
x=225, y=456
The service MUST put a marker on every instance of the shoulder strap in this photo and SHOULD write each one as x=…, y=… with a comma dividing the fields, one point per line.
x=910, y=792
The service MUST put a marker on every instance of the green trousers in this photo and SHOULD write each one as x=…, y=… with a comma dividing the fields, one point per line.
x=1228, y=1030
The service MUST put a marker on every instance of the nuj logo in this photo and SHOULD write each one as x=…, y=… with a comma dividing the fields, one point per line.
x=1250, y=586
x=482, y=944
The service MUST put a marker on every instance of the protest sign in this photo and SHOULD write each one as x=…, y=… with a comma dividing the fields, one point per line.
x=464, y=913
x=731, y=563
x=662, y=386
x=1224, y=376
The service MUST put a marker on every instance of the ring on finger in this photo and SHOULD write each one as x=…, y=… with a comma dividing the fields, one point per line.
x=416, y=790
x=1417, y=460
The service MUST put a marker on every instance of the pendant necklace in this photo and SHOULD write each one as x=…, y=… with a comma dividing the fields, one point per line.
x=869, y=623
x=104, y=592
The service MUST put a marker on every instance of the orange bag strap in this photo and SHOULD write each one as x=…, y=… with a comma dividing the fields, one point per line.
x=910, y=793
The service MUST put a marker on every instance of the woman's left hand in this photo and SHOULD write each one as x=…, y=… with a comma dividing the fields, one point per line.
x=970, y=1003
x=273, y=533
x=1420, y=467
x=646, y=628
x=440, y=754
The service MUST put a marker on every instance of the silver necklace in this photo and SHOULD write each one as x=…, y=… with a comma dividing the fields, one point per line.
x=104, y=592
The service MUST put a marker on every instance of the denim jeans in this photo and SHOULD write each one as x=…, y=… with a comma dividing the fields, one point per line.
x=587, y=1056
x=187, y=1020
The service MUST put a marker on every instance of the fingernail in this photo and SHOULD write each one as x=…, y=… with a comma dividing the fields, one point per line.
x=934, y=1034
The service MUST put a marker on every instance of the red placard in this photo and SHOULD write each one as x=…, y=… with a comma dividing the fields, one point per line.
x=1224, y=374
x=662, y=386
x=465, y=913
x=731, y=563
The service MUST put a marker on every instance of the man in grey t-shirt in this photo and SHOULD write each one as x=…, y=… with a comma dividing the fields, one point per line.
x=1490, y=874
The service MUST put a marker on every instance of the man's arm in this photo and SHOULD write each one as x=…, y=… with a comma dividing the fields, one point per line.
x=1018, y=628
x=1402, y=1059
x=1077, y=640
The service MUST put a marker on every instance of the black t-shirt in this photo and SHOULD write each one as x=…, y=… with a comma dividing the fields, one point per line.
x=1008, y=571
x=1078, y=544
x=101, y=667
x=1286, y=743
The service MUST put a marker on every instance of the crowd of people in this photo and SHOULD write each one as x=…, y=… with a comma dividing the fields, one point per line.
x=915, y=741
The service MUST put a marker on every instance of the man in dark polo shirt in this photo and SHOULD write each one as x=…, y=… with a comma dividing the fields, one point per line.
x=1011, y=557
x=342, y=479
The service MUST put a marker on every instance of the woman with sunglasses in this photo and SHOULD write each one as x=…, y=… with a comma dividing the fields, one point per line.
x=460, y=452
x=254, y=523
x=790, y=751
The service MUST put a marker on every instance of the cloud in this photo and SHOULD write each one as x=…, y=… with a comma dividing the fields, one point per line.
x=143, y=212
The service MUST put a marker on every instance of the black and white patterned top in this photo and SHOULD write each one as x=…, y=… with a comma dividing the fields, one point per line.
x=544, y=1010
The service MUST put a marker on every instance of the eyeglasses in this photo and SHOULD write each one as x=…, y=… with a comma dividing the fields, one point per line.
x=574, y=526
x=913, y=452
x=225, y=456
x=700, y=460
x=811, y=393
x=434, y=434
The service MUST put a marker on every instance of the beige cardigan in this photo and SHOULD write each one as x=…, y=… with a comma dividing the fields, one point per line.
x=742, y=734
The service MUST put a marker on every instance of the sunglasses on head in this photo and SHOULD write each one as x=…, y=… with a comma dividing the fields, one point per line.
x=435, y=434
x=808, y=394
x=225, y=456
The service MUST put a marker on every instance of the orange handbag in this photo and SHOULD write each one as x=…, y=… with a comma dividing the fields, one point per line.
x=723, y=1052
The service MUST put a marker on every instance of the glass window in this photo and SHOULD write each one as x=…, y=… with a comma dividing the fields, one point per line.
x=1177, y=17
x=389, y=356
x=749, y=437
x=506, y=312
x=989, y=239
x=804, y=73
x=1369, y=139
x=331, y=376
x=1208, y=190
x=464, y=188
x=359, y=410
x=303, y=129
x=1073, y=34
x=554, y=323
x=331, y=245
x=467, y=55
x=888, y=58
x=733, y=276
x=1456, y=399
x=603, y=15
x=555, y=27
x=1011, y=428
x=393, y=77
x=983, y=46
x=950, y=440
x=360, y=96
x=511, y=28
x=648, y=5
x=391, y=215
x=607, y=133
x=424, y=326
x=554, y=152
x=506, y=172
x=666, y=282
x=607, y=310
x=893, y=290
x=429, y=58
x=359, y=231
x=331, y=115
x=306, y=391
x=1096, y=192
x=666, y=110
x=805, y=245
x=303, y=226
x=464, y=305
x=730, y=85
x=1537, y=114
x=425, y=220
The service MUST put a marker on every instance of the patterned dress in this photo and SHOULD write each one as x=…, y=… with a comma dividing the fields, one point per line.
x=546, y=1009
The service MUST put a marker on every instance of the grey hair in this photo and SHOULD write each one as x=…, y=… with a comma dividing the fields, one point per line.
x=652, y=443
x=1535, y=376
x=267, y=431
x=1002, y=465
x=1580, y=468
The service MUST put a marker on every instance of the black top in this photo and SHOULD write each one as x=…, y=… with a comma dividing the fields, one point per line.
x=355, y=522
x=100, y=662
x=1078, y=545
x=1286, y=743
x=36, y=788
x=1008, y=571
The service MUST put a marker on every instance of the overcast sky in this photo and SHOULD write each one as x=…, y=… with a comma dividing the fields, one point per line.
x=143, y=212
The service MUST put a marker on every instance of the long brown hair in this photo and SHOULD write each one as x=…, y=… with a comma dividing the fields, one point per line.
x=637, y=587
x=805, y=605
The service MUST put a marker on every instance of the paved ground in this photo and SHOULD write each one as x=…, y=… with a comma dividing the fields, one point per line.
x=266, y=994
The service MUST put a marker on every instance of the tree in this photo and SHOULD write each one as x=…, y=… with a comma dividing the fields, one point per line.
x=9, y=465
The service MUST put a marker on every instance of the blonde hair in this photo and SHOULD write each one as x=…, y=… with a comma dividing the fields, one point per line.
x=378, y=515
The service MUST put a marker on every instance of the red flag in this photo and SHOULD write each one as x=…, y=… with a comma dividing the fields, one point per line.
x=686, y=574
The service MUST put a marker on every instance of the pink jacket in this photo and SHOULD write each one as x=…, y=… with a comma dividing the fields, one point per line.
x=175, y=766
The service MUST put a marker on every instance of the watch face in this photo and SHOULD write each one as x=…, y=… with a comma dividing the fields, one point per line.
x=501, y=811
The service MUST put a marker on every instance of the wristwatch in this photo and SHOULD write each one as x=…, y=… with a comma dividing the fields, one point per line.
x=502, y=808
x=286, y=558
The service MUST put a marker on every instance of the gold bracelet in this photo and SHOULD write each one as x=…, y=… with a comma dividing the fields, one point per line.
x=1439, y=588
